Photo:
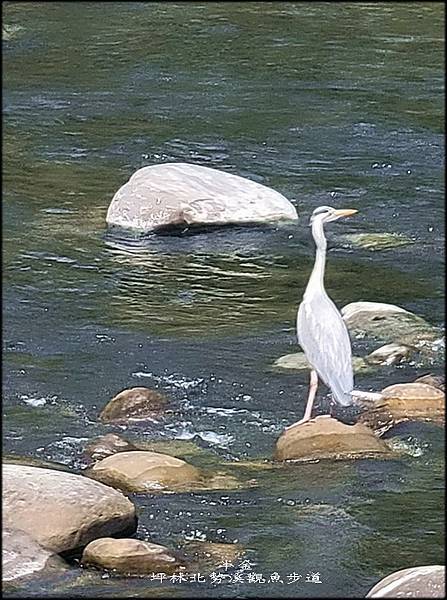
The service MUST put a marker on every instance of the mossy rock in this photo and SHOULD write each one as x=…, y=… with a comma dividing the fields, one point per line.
x=298, y=362
x=377, y=241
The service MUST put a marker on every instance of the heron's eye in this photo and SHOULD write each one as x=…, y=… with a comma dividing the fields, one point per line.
x=322, y=210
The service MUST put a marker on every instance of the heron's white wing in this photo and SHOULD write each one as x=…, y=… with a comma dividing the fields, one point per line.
x=324, y=338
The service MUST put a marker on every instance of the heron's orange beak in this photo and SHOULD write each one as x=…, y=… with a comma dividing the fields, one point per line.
x=345, y=212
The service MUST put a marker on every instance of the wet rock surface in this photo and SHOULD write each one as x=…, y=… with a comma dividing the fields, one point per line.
x=325, y=437
x=405, y=402
x=134, y=404
x=107, y=445
x=142, y=471
x=76, y=508
x=22, y=556
x=182, y=194
x=390, y=354
x=415, y=582
x=391, y=324
x=437, y=381
x=129, y=556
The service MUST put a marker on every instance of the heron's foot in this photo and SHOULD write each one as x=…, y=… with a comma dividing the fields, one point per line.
x=300, y=422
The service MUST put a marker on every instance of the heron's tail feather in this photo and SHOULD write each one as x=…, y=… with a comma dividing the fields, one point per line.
x=366, y=397
x=343, y=398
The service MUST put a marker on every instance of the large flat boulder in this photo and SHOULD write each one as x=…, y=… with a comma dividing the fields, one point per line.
x=22, y=556
x=427, y=581
x=63, y=511
x=182, y=194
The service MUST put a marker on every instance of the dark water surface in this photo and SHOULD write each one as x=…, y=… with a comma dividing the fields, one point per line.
x=328, y=103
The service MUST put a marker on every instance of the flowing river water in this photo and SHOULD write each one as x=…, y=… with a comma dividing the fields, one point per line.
x=328, y=103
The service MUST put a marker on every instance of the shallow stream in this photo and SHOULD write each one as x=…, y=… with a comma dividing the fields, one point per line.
x=328, y=103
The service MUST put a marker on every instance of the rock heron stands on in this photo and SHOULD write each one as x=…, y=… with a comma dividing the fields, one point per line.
x=322, y=333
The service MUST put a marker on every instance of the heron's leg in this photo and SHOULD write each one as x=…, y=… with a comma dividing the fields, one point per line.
x=310, y=399
x=313, y=386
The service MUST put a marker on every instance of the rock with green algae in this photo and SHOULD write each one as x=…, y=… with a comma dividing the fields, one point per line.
x=377, y=241
x=392, y=324
x=11, y=31
x=204, y=556
x=298, y=362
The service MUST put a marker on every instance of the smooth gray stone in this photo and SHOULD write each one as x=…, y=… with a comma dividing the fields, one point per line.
x=416, y=582
x=63, y=511
x=392, y=324
x=22, y=556
x=182, y=194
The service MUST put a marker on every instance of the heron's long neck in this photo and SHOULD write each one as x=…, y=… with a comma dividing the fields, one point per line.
x=317, y=276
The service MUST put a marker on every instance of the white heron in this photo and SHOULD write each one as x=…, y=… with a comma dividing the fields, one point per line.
x=322, y=333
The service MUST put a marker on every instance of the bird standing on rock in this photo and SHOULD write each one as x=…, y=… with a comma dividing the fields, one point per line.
x=322, y=333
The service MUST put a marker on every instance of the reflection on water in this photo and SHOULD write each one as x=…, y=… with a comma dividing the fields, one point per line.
x=328, y=103
x=196, y=286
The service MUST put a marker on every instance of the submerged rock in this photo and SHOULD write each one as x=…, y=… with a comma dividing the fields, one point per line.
x=182, y=194
x=32, y=461
x=63, y=511
x=427, y=581
x=23, y=556
x=206, y=556
x=11, y=31
x=149, y=470
x=377, y=241
x=134, y=404
x=437, y=381
x=222, y=481
x=325, y=437
x=107, y=445
x=405, y=402
x=298, y=362
x=141, y=471
x=390, y=323
x=129, y=556
x=390, y=354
